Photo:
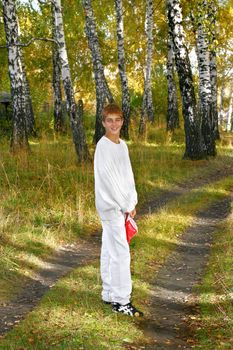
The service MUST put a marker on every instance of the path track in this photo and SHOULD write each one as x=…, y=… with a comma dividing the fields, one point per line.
x=169, y=294
x=173, y=299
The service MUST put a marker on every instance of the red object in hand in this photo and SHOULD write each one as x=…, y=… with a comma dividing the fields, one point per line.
x=130, y=227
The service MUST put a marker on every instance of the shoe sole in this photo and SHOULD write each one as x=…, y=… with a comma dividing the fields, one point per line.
x=136, y=314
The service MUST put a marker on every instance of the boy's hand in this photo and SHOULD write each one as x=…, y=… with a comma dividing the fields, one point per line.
x=132, y=213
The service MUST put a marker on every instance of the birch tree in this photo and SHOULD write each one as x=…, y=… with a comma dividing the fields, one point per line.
x=75, y=117
x=212, y=13
x=230, y=112
x=172, y=102
x=147, y=104
x=122, y=69
x=29, y=116
x=30, y=119
x=214, y=94
x=57, y=92
x=103, y=93
x=203, y=56
x=19, y=139
x=221, y=114
x=193, y=137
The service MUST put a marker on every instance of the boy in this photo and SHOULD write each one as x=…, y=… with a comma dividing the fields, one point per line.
x=115, y=195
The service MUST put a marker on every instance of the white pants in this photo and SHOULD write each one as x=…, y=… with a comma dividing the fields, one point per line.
x=115, y=262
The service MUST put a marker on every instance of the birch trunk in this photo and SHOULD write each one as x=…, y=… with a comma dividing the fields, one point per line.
x=147, y=104
x=19, y=139
x=172, y=102
x=57, y=93
x=214, y=94
x=229, y=112
x=103, y=93
x=212, y=13
x=30, y=119
x=75, y=119
x=122, y=69
x=204, y=83
x=193, y=137
x=221, y=105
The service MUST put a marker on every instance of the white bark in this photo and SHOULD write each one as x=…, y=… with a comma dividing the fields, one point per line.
x=75, y=119
x=221, y=104
x=147, y=105
x=19, y=139
x=60, y=37
x=214, y=92
x=204, y=68
x=212, y=13
x=57, y=93
x=122, y=68
x=172, y=102
x=229, y=112
x=205, y=90
x=30, y=119
x=194, y=143
x=103, y=92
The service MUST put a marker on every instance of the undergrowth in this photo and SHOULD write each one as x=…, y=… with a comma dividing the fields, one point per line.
x=47, y=200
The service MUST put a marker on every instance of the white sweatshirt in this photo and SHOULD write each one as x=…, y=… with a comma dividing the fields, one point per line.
x=114, y=181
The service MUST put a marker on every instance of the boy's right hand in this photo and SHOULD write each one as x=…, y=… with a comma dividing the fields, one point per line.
x=132, y=213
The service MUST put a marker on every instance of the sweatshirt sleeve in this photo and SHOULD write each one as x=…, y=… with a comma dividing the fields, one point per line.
x=133, y=197
x=113, y=188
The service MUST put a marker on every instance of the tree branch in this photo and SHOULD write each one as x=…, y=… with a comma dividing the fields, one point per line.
x=45, y=2
x=42, y=2
x=29, y=42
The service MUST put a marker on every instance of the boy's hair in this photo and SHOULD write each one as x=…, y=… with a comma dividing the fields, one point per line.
x=111, y=108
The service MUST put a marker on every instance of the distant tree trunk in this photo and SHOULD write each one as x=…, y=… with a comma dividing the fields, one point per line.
x=214, y=94
x=30, y=119
x=19, y=140
x=147, y=104
x=204, y=81
x=221, y=105
x=193, y=137
x=212, y=13
x=75, y=119
x=122, y=70
x=229, y=112
x=103, y=93
x=57, y=93
x=172, y=101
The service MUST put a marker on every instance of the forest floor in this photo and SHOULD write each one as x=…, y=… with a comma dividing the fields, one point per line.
x=173, y=299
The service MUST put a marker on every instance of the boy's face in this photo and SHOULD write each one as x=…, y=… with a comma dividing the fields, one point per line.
x=113, y=124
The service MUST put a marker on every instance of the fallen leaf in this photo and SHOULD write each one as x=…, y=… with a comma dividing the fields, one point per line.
x=127, y=340
x=190, y=341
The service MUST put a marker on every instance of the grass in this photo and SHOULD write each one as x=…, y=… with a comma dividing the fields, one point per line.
x=71, y=315
x=214, y=326
x=47, y=200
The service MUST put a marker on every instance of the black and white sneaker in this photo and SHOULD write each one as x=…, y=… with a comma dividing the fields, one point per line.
x=127, y=309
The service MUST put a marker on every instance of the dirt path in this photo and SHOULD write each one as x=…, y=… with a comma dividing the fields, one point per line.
x=173, y=300
x=66, y=259
x=72, y=256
